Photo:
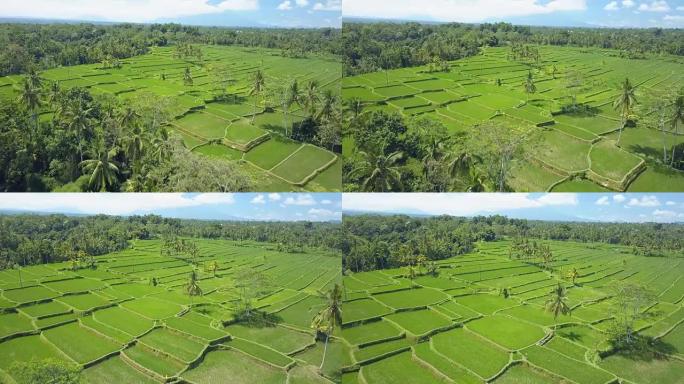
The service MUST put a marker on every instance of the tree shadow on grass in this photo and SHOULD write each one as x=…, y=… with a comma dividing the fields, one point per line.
x=257, y=319
x=648, y=151
x=643, y=348
x=579, y=110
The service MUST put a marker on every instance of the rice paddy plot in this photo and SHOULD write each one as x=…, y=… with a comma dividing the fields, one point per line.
x=115, y=324
x=574, y=127
x=499, y=330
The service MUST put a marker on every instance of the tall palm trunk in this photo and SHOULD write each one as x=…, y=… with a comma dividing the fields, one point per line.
x=325, y=349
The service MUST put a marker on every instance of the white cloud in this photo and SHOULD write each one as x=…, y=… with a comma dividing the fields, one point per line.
x=680, y=8
x=110, y=203
x=670, y=203
x=285, y=5
x=612, y=6
x=258, y=199
x=302, y=3
x=326, y=202
x=664, y=213
x=300, y=199
x=645, y=201
x=329, y=5
x=603, y=201
x=457, y=10
x=628, y=3
x=673, y=18
x=274, y=196
x=453, y=204
x=655, y=6
x=320, y=212
x=619, y=198
x=121, y=10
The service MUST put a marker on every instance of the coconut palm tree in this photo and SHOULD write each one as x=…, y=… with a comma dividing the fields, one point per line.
x=379, y=171
x=558, y=303
x=354, y=106
x=529, y=85
x=29, y=96
x=54, y=93
x=187, y=76
x=624, y=103
x=311, y=97
x=329, y=318
x=573, y=275
x=258, y=85
x=134, y=144
x=327, y=105
x=677, y=117
x=103, y=171
x=192, y=288
x=78, y=118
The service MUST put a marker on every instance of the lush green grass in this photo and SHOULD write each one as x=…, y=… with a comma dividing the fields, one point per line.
x=281, y=339
x=219, y=151
x=521, y=374
x=303, y=163
x=370, y=332
x=411, y=298
x=419, y=322
x=11, y=323
x=471, y=351
x=363, y=309
x=265, y=354
x=243, y=131
x=79, y=343
x=507, y=332
x=666, y=371
x=219, y=365
x=424, y=352
x=84, y=302
x=176, y=345
x=152, y=308
x=114, y=370
x=566, y=367
x=399, y=369
x=156, y=362
x=269, y=154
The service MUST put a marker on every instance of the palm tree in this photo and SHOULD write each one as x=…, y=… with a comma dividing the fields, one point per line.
x=161, y=145
x=187, y=76
x=677, y=117
x=311, y=97
x=258, y=85
x=79, y=122
x=558, y=303
x=573, y=275
x=18, y=268
x=624, y=104
x=134, y=144
x=354, y=106
x=529, y=85
x=103, y=171
x=293, y=96
x=54, y=93
x=379, y=171
x=30, y=97
x=329, y=317
x=192, y=288
x=327, y=105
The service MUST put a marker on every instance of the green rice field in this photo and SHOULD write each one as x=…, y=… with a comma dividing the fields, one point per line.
x=458, y=327
x=570, y=151
x=235, y=127
x=119, y=327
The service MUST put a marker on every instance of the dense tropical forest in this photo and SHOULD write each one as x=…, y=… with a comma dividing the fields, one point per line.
x=369, y=47
x=122, y=108
x=497, y=107
x=378, y=242
x=40, y=239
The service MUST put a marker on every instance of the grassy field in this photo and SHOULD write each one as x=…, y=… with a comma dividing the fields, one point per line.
x=234, y=129
x=571, y=151
x=458, y=327
x=119, y=327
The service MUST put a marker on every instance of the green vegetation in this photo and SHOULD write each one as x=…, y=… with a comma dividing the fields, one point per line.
x=136, y=118
x=513, y=308
x=171, y=308
x=488, y=112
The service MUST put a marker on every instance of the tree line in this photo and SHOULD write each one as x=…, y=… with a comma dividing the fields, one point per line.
x=370, y=47
x=44, y=46
x=40, y=239
x=376, y=242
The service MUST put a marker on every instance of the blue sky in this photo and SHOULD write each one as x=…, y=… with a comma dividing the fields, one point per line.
x=207, y=206
x=607, y=207
x=578, y=13
x=251, y=13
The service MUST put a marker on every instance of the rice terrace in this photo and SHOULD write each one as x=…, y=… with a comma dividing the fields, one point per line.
x=561, y=98
x=130, y=316
x=493, y=315
x=250, y=128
